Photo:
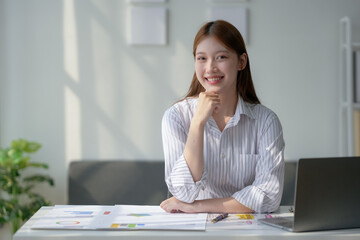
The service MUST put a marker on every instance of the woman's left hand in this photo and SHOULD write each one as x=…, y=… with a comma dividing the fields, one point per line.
x=173, y=205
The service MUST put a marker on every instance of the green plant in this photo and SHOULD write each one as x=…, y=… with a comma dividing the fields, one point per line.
x=18, y=201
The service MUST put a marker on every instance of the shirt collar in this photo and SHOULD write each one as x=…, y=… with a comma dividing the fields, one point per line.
x=243, y=108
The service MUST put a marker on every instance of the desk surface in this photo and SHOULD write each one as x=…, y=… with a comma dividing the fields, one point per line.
x=26, y=233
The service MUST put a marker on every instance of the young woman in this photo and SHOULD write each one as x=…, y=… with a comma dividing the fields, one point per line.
x=224, y=151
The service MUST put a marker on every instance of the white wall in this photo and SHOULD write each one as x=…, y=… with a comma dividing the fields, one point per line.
x=70, y=81
x=2, y=59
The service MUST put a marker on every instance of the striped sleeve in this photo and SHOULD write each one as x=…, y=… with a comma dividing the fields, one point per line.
x=177, y=174
x=264, y=195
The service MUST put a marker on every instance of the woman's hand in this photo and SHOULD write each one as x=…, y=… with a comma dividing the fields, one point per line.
x=193, y=152
x=208, y=103
x=214, y=205
x=172, y=205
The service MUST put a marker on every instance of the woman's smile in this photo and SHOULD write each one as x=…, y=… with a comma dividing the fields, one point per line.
x=214, y=79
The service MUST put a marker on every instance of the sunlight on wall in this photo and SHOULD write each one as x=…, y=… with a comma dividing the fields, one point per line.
x=137, y=106
x=73, y=144
x=103, y=70
x=72, y=103
x=71, y=61
x=178, y=84
x=105, y=90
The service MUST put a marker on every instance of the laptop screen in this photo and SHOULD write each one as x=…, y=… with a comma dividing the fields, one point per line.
x=327, y=194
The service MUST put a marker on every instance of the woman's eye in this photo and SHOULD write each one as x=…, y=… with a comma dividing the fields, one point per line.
x=200, y=58
x=221, y=57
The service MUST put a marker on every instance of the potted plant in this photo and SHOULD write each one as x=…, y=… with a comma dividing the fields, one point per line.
x=18, y=201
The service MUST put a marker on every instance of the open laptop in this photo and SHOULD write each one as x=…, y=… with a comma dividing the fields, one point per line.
x=327, y=196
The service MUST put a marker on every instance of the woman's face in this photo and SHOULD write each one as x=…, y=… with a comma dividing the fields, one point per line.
x=216, y=66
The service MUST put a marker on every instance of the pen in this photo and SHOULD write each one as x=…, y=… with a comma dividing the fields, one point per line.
x=220, y=217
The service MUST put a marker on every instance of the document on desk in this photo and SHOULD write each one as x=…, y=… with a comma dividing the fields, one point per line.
x=132, y=217
x=242, y=221
x=119, y=217
x=72, y=217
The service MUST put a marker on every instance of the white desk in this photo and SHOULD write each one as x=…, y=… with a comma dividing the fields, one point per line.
x=25, y=233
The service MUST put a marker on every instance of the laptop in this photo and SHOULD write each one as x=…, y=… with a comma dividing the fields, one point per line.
x=327, y=196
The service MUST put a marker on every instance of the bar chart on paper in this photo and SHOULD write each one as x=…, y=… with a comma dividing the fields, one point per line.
x=153, y=218
x=119, y=217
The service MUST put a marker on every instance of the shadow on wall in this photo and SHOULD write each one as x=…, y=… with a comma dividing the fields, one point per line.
x=110, y=110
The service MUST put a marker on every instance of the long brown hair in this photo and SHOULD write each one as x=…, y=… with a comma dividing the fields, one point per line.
x=227, y=34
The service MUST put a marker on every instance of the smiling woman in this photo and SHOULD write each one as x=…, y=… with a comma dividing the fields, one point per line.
x=224, y=151
x=229, y=41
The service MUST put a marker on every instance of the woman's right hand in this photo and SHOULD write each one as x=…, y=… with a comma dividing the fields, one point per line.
x=193, y=152
x=208, y=103
x=172, y=205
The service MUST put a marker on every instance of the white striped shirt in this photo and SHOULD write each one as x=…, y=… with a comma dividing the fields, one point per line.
x=244, y=161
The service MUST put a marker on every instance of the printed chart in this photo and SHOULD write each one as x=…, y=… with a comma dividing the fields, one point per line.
x=73, y=217
x=139, y=217
x=119, y=217
x=239, y=221
x=131, y=217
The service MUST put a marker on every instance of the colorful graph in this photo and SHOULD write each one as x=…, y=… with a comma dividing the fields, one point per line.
x=139, y=215
x=68, y=223
x=126, y=225
x=80, y=212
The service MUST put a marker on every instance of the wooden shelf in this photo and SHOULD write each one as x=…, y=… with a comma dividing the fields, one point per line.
x=356, y=46
x=356, y=105
x=349, y=129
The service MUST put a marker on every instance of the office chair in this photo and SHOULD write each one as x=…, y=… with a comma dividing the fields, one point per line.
x=289, y=183
x=116, y=182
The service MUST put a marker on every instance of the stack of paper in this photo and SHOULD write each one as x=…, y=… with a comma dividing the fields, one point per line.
x=119, y=217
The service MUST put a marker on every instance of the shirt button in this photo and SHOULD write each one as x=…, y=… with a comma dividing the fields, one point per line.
x=223, y=156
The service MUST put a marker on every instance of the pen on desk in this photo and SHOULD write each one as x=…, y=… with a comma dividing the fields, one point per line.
x=220, y=217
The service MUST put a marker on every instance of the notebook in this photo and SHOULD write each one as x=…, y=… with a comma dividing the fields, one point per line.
x=327, y=196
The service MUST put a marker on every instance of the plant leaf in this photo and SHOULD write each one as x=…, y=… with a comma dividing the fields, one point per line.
x=35, y=164
x=3, y=155
x=40, y=178
x=26, y=146
x=19, y=144
x=24, y=162
x=15, y=154
x=32, y=147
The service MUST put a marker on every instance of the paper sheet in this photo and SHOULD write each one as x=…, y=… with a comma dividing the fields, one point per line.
x=241, y=221
x=139, y=217
x=153, y=217
x=119, y=217
x=73, y=217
